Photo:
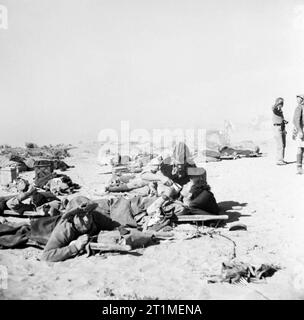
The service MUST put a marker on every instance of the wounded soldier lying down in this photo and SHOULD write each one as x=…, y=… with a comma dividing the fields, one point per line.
x=70, y=236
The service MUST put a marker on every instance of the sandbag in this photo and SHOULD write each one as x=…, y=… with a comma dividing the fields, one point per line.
x=130, y=237
x=137, y=239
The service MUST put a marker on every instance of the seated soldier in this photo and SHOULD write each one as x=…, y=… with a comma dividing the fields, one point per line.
x=196, y=194
x=172, y=169
x=45, y=202
x=74, y=229
x=175, y=167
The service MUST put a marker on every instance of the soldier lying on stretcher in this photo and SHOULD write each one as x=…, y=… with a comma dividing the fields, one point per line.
x=44, y=202
x=148, y=177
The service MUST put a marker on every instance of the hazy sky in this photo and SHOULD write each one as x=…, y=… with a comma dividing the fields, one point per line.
x=69, y=68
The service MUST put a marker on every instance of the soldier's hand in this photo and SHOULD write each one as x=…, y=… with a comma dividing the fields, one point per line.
x=32, y=189
x=81, y=242
x=166, y=181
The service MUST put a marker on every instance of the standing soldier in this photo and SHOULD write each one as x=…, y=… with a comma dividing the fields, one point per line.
x=279, y=127
x=299, y=124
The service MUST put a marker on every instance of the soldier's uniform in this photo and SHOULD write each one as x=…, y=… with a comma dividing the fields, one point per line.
x=298, y=122
x=279, y=130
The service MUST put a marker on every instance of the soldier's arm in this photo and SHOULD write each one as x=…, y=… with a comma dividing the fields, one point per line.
x=59, y=247
x=297, y=119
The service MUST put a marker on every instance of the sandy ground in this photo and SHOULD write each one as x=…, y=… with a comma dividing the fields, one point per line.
x=267, y=198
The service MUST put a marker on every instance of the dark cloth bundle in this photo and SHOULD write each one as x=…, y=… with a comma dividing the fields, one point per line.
x=42, y=228
x=39, y=231
x=40, y=198
x=13, y=236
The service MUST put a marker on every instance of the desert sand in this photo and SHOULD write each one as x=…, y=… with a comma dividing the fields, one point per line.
x=256, y=192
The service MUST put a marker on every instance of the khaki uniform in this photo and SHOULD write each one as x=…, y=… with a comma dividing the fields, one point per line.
x=298, y=122
x=279, y=132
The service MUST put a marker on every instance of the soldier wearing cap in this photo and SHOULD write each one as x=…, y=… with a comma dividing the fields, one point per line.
x=279, y=128
x=298, y=122
x=82, y=220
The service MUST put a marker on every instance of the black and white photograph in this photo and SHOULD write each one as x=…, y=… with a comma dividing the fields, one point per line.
x=151, y=150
